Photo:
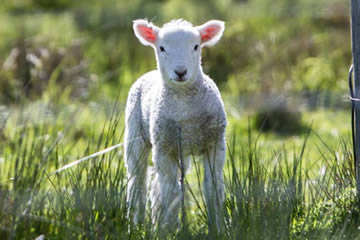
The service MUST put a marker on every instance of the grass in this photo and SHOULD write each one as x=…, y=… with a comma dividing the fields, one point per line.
x=273, y=190
x=287, y=47
x=278, y=186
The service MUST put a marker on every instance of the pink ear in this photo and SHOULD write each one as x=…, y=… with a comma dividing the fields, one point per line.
x=211, y=32
x=147, y=33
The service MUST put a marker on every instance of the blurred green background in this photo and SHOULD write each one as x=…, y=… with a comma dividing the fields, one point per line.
x=291, y=46
x=282, y=65
x=66, y=68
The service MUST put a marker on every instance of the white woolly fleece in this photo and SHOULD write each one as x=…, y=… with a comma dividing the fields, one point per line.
x=176, y=95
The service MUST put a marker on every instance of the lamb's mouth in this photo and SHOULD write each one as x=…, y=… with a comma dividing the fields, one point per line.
x=180, y=80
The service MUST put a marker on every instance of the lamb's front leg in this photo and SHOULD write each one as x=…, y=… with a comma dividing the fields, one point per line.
x=214, y=159
x=165, y=191
x=136, y=161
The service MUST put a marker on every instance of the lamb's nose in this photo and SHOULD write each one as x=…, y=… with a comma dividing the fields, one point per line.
x=180, y=73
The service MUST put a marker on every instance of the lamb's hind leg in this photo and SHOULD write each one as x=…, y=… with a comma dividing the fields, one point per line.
x=214, y=159
x=136, y=160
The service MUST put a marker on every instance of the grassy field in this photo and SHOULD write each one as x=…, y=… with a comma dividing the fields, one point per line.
x=65, y=72
x=298, y=187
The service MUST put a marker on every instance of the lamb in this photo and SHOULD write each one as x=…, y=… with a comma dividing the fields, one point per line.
x=178, y=95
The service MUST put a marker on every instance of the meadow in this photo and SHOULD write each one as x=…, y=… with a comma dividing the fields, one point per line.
x=66, y=68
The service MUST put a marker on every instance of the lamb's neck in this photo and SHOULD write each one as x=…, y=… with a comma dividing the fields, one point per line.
x=192, y=88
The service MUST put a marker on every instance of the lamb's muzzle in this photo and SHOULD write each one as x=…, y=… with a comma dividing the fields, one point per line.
x=180, y=72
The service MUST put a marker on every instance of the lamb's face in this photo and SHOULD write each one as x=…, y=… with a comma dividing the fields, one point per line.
x=178, y=46
x=178, y=53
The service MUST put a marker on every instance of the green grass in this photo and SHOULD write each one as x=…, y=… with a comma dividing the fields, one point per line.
x=302, y=46
x=279, y=185
x=276, y=188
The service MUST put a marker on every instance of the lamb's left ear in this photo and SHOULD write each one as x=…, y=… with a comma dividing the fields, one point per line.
x=211, y=32
x=145, y=31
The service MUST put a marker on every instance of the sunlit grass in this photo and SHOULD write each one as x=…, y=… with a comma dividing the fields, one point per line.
x=276, y=187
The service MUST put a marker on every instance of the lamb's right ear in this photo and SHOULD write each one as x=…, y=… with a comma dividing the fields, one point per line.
x=145, y=31
x=211, y=32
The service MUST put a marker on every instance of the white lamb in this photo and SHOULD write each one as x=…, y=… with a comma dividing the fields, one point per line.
x=176, y=95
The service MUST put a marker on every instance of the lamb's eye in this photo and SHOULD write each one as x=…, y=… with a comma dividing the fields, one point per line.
x=162, y=49
x=196, y=47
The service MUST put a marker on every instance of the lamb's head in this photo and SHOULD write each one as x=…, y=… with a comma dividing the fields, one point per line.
x=178, y=46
